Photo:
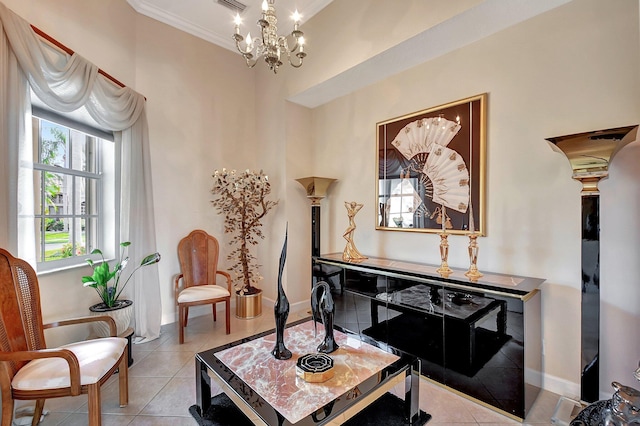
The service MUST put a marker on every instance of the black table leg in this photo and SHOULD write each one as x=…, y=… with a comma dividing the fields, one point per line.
x=203, y=386
x=374, y=312
x=412, y=392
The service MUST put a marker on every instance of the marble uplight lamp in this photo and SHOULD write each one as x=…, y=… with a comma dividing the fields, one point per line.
x=590, y=155
x=316, y=188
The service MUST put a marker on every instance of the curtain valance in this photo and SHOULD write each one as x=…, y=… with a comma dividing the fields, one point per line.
x=66, y=83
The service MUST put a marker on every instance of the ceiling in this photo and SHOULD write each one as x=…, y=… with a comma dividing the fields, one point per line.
x=212, y=21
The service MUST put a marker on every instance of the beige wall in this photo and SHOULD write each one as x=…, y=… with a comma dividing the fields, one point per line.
x=201, y=111
x=570, y=70
x=346, y=33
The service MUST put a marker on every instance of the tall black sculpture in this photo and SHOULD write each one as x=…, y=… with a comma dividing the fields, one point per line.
x=281, y=308
x=323, y=307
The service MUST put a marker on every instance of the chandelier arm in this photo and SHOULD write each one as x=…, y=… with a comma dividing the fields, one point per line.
x=284, y=42
x=295, y=47
x=296, y=34
x=251, y=64
x=244, y=52
x=300, y=56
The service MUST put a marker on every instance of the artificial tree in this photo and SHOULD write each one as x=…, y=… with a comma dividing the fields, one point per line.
x=241, y=198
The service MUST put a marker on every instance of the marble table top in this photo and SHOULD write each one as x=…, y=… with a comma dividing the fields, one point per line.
x=276, y=381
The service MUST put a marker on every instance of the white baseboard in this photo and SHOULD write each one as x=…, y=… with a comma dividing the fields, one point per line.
x=561, y=386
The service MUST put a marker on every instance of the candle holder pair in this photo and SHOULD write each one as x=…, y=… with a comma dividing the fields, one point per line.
x=473, y=274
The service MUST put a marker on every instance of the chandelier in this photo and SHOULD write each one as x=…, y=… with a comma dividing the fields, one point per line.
x=270, y=45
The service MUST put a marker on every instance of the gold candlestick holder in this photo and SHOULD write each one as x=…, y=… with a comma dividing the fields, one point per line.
x=473, y=273
x=444, y=269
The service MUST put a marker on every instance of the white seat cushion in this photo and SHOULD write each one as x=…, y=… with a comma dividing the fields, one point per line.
x=95, y=357
x=202, y=292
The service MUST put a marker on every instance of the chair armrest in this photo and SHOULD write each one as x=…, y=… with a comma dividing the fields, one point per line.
x=228, y=277
x=176, y=287
x=81, y=320
x=66, y=354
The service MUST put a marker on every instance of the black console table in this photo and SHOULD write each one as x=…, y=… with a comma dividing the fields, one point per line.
x=481, y=338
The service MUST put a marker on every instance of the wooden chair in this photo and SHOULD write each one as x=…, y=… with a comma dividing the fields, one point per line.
x=198, y=256
x=31, y=371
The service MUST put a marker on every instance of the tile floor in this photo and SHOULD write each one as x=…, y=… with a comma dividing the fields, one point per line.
x=161, y=384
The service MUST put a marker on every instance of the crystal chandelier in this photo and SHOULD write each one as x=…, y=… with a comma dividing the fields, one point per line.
x=270, y=45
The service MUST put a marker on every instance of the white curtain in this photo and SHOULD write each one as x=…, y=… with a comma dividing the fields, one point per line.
x=66, y=85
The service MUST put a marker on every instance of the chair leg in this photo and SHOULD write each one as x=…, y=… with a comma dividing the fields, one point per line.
x=123, y=378
x=181, y=323
x=95, y=411
x=227, y=312
x=37, y=412
x=7, y=409
x=214, y=312
x=186, y=315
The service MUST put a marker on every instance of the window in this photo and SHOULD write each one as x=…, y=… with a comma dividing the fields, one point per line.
x=403, y=202
x=71, y=180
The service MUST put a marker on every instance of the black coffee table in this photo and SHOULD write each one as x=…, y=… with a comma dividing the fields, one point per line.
x=269, y=393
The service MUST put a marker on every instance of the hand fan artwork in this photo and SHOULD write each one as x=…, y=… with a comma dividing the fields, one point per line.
x=432, y=162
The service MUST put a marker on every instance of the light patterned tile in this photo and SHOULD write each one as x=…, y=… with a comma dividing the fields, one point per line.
x=160, y=364
x=141, y=391
x=174, y=399
x=161, y=387
x=543, y=408
x=192, y=343
x=138, y=355
x=152, y=345
x=188, y=370
x=67, y=404
x=80, y=419
x=484, y=415
x=444, y=406
x=52, y=419
x=163, y=421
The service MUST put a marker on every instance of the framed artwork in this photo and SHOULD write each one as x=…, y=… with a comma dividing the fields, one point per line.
x=431, y=169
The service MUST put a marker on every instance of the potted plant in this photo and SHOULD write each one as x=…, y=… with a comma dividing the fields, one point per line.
x=241, y=198
x=107, y=283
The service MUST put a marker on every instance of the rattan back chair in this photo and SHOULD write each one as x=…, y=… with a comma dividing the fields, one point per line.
x=31, y=371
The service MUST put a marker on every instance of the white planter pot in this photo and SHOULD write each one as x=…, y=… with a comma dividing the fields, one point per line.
x=122, y=312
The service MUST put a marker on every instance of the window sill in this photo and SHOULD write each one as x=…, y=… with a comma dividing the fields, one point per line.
x=65, y=268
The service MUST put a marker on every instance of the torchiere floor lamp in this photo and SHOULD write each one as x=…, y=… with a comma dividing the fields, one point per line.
x=590, y=155
x=316, y=188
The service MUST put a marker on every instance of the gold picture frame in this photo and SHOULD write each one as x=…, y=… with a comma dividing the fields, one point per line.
x=431, y=169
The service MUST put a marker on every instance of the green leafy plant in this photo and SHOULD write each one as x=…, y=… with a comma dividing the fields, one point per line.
x=103, y=275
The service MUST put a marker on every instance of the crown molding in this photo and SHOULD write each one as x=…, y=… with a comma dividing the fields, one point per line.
x=147, y=8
